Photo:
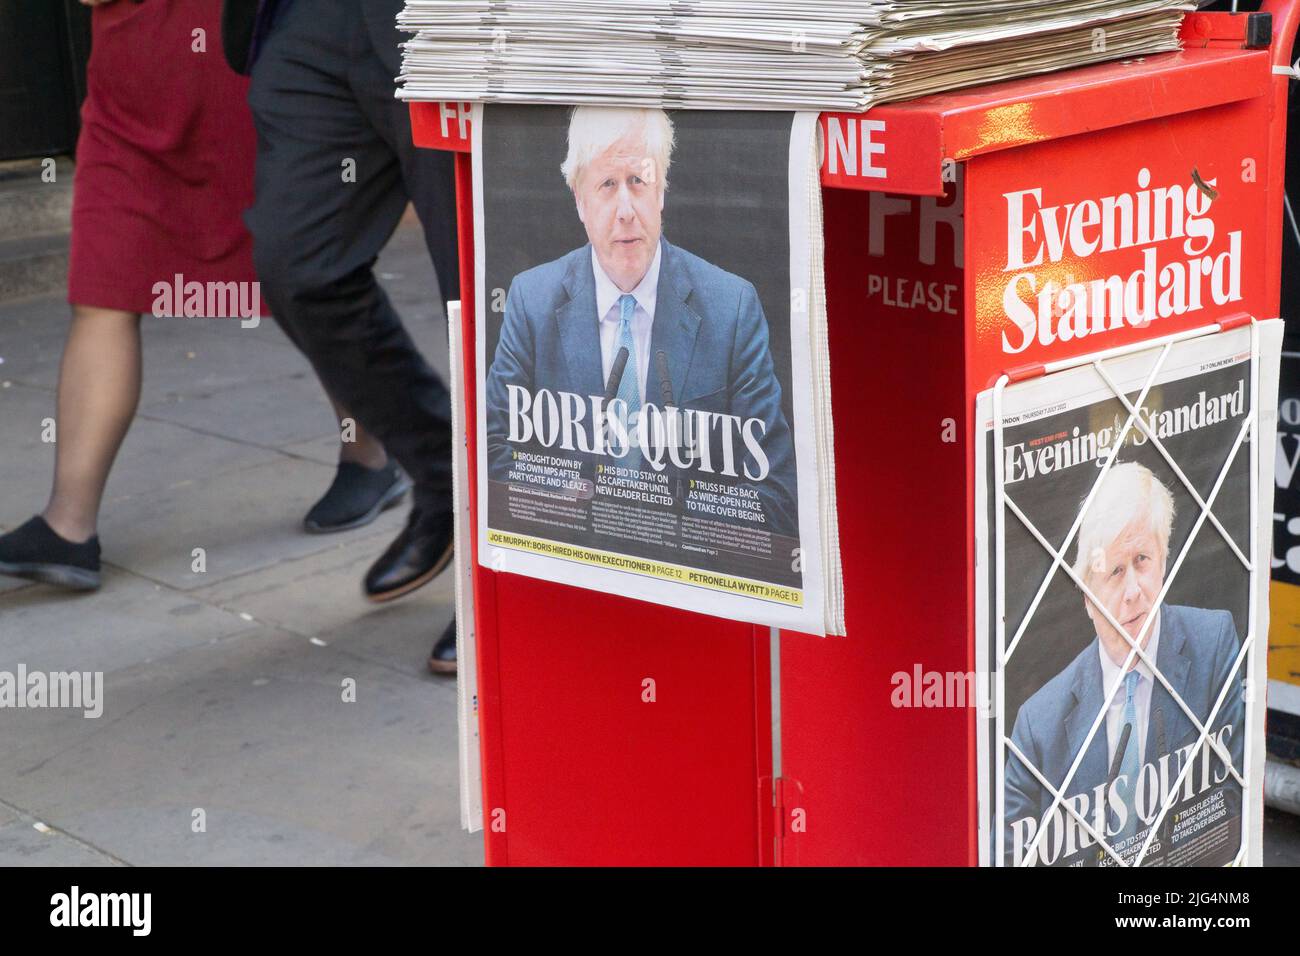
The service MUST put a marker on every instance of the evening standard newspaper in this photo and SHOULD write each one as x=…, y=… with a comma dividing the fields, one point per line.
x=1125, y=717
x=654, y=414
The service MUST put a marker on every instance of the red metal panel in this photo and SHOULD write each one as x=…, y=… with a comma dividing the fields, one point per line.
x=1102, y=97
x=879, y=784
x=1050, y=197
x=594, y=773
x=901, y=147
x=889, y=149
x=1207, y=29
x=441, y=126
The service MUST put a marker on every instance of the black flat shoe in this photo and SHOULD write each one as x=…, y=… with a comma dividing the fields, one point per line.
x=36, y=552
x=357, y=497
x=442, y=659
x=420, y=553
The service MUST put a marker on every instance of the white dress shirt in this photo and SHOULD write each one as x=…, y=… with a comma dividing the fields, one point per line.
x=1141, y=699
x=643, y=317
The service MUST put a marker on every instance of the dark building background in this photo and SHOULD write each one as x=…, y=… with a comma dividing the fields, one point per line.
x=44, y=45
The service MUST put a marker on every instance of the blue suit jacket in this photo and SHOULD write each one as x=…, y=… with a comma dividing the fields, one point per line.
x=709, y=323
x=1197, y=650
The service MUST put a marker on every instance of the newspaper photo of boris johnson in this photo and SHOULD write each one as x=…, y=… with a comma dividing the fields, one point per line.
x=1121, y=679
x=643, y=372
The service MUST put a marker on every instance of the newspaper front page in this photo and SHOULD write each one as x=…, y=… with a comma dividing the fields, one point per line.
x=646, y=424
x=1122, y=718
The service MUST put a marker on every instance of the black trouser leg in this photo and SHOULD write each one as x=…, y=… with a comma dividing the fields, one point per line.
x=428, y=175
x=330, y=191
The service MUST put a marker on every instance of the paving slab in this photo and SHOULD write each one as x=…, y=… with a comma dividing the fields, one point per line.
x=244, y=521
x=414, y=626
x=22, y=845
x=281, y=411
x=32, y=332
x=324, y=449
x=156, y=456
x=316, y=593
x=129, y=621
x=255, y=733
x=181, y=356
x=27, y=462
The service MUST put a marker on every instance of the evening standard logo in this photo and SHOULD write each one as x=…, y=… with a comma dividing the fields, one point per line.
x=1066, y=449
x=131, y=910
x=55, y=690
x=1044, y=306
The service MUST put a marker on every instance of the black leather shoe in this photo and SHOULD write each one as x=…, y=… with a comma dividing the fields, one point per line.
x=420, y=553
x=357, y=496
x=442, y=659
x=37, y=552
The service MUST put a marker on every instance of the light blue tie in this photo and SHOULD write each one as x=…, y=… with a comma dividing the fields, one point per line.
x=627, y=386
x=1128, y=767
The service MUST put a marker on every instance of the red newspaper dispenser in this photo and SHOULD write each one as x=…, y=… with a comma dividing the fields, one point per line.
x=791, y=749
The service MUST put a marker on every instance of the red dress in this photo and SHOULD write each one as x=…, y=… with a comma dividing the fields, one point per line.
x=165, y=158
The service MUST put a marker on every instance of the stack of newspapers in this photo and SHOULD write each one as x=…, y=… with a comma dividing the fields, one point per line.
x=759, y=54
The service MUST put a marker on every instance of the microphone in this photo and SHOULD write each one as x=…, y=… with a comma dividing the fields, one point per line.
x=611, y=388
x=1159, y=718
x=666, y=396
x=665, y=382
x=1119, y=751
x=616, y=374
x=1117, y=761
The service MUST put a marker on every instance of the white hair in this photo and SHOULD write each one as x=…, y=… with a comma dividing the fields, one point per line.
x=1128, y=493
x=593, y=129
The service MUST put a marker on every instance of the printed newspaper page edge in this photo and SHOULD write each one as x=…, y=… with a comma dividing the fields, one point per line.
x=467, y=730
x=808, y=615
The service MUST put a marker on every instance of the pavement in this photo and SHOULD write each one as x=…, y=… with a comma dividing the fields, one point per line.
x=225, y=736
